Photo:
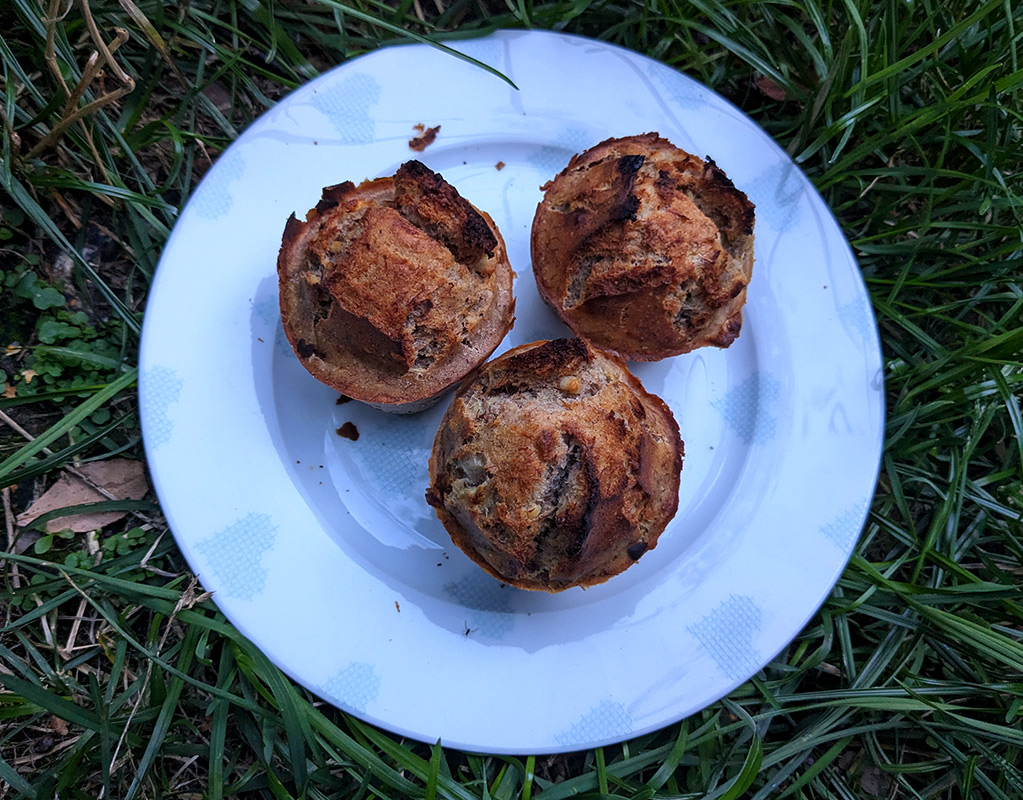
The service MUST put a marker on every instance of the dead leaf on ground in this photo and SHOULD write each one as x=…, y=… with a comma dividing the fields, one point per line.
x=218, y=95
x=58, y=726
x=771, y=88
x=124, y=478
x=875, y=781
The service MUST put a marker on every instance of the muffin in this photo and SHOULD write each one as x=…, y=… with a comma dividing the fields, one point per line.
x=644, y=249
x=553, y=467
x=393, y=290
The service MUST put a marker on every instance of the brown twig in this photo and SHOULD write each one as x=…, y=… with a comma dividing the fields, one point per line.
x=76, y=624
x=50, y=21
x=9, y=521
x=120, y=37
x=103, y=57
x=10, y=133
x=47, y=633
x=69, y=212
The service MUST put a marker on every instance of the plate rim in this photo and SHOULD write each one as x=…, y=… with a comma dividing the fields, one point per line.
x=146, y=388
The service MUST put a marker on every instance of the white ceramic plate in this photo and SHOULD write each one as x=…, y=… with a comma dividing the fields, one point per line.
x=323, y=551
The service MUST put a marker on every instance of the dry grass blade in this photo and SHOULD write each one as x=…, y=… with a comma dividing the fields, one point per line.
x=103, y=57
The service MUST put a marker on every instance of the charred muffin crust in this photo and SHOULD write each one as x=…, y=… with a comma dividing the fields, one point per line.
x=553, y=467
x=393, y=290
x=644, y=249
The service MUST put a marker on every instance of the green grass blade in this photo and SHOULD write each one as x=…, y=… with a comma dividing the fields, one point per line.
x=433, y=774
x=293, y=710
x=348, y=10
x=84, y=410
x=15, y=781
x=168, y=710
x=53, y=703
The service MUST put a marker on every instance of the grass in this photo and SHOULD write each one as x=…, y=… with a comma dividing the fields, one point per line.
x=120, y=678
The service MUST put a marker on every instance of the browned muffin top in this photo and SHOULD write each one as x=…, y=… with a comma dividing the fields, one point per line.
x=644, y=249
x=553, y=467
x=394, y=289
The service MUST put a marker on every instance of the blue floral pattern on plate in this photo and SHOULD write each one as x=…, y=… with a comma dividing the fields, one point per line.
x=845, y=529
x=549, y=160
x=749, y=408
x=727, y=634
x=487, y=51
x=777, y=192
x=606, y=721
x=684, y=92
x=486, y=602
x=347, y=105
x=394, y=455
x=235, y=555
x=162, y=392
x=357, y=685
x=213, y=198
x=858, y=316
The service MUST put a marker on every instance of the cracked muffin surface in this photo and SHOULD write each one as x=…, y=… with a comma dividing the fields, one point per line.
x=644, y=249
x=393, y=290
x=554, y=468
